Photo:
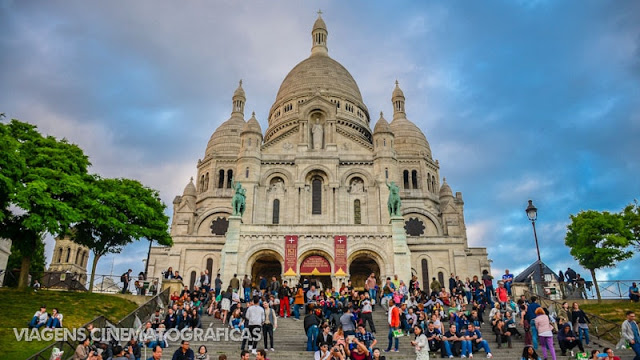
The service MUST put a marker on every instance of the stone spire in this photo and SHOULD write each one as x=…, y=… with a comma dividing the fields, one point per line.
x=238, y=101
x=397, y=98
x=319, y=37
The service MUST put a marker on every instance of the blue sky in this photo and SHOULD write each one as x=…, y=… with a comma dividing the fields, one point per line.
x=518, y=99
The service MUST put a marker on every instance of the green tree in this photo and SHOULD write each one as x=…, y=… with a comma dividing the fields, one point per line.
x=117, y=212
x=36, y=269
x=631, y=216
x=42, y=178
x=598, y=240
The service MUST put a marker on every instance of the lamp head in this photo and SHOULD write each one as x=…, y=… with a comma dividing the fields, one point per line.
x=532, y=211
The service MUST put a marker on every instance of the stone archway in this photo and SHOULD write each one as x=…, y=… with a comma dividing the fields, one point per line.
x=267, y=264
x=361, y=266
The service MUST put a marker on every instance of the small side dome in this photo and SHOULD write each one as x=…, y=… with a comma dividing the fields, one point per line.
x=409, y=137
x=226, y=138
x=382, y=126
x=252, y=126
x=190, y=189
x=445, y=189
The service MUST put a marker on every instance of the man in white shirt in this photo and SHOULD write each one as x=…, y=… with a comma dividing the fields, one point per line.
x=254, y=319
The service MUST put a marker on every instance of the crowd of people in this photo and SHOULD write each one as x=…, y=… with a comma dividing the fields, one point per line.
x=453, y=319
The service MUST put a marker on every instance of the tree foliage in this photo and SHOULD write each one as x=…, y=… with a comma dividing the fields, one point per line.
x=41, y=181
x=117, y=212
x=631, y=216
x=598, y=240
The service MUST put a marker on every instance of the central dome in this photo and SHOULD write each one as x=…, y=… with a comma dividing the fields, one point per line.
x=321, y=73
x=318, y=74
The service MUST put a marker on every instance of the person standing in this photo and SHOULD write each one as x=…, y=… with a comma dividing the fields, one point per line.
x=371, y=287
x=366, y=314
x=246, y=288
x=394, y=324
x=545, y=333
x=274, y=286
x=298, y=302
x=126, y=279
x=285, y=294
x=270, y=324
x=580, y=323
x=631, y=334
x=561, y=283
x=255, y=318
x=218, y=285
x=234, y=283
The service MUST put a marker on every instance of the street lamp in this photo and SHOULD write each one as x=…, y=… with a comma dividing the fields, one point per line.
x=532, y=214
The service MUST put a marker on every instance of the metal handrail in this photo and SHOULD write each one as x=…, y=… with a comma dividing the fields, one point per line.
x=599, y=327
x=140, y=314
x=69, y=347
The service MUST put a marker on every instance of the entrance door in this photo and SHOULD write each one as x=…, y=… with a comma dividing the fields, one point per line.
x=266, y=266
x=316, y=267
x=360, y=269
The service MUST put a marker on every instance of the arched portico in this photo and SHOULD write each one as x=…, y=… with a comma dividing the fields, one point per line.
x=363, y=263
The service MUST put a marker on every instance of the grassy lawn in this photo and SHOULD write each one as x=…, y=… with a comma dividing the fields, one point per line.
x=612, y=311
x=77, y=309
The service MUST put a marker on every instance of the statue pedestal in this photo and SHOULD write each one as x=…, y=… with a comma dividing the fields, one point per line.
x=173, y=285
x=401, y=252
x=229, y=261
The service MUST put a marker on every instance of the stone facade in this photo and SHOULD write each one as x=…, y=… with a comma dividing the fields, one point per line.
x=318, y=172
x=70, y=257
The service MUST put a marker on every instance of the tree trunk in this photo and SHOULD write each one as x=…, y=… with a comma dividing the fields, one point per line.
x=595, y=283
x=96, y=257
x=23, y=280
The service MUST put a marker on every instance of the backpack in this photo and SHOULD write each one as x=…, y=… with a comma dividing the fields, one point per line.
x=123, y=278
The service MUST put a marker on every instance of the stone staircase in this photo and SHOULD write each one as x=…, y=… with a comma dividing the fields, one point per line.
x=290, y=343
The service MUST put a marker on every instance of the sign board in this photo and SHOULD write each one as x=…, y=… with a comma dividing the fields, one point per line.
x=290, y=255
x=315, y=265
x=340, y=256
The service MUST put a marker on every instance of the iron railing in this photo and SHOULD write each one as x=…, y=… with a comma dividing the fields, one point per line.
x=111, y=284
x=600, y=328
x=612, y=289
x=68, y=346
x=133, y=320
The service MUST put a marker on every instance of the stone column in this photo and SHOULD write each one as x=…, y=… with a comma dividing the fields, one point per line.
x=229, y=261
x=401, y=252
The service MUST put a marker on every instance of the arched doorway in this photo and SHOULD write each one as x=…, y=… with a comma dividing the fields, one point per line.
x=266, y=264
x=360, y=268
x=317, y=269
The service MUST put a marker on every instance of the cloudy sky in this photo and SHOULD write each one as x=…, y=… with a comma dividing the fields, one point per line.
x=518, y=99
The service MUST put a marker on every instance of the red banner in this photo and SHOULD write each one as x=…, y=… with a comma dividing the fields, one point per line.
x=315, y=265
x=340, y=256
x=290, y=255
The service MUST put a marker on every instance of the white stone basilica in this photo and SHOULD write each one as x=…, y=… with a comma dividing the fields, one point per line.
x=316, y=193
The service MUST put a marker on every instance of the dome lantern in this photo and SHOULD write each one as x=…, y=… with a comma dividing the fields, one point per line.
x=238, y=100
x=397, y=98
x=319, y=35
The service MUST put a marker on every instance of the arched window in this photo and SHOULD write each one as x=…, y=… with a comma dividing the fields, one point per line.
x=441, y=278
x=405, y=176
x=276, y=212
x=201, y=184
x=68, y=255
x=206, y=182
x=82, y=258
x=210, y=268
x=384, y=142
x=59, y=255
x=425, y=274
x=414, y=178
x=316, y=196
x=357, y=217
x=192, y=280
x=220, y=179
x=433, y=183
x=246, y=173
x=386, y=173
x=78, y=257
x=229, y=178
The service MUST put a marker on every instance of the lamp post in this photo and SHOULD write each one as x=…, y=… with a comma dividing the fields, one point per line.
x=532, y=214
